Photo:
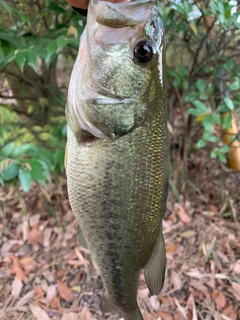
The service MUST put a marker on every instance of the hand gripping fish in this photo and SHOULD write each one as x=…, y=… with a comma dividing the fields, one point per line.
x=117, y=157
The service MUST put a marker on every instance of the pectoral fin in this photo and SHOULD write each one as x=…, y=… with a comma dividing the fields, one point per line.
x=154, y=270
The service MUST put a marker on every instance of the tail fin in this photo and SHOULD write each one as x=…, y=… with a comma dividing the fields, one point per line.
x=133, y=316
x=107, y=306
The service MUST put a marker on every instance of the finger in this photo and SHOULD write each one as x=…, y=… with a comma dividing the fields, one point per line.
x=79, y=3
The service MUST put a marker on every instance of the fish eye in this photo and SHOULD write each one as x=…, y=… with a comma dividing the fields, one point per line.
x=143, y=52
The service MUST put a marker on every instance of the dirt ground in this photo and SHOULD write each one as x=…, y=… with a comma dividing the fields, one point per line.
x=45, y=275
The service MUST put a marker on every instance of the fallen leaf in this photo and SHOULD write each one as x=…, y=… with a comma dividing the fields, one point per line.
x=70, y=316
x=64, y=291
x=236, y=290
x=34, y=219
x=177, y=282
x=172, y=248
x=192, y=306
x=75, y=280
x=28, y=264
x=229, y=312
x=44, y=285
x=38, y=312
x=164, y=315
x=145, y=316
x=25, y=299
x=213, y=209
x=26, y=260
x=85, y=314
x=188, y=234
x=236, y=267
x=183, y=215
x=55, y=304
x=61, y=273
x=16, y=287
x=51, y=293
x=82, y=262
x=154, y=302
x=214, y=294
x=17, y=268
x=7, y=246
x=220, y=301
x=34, y=236
x=38, y=293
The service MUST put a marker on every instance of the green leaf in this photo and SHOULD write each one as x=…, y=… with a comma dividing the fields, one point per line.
x=31, y=59
x=25, y=179
x=227, y=121
x=11, y=171
x=191, y=97
x=37, y=169
x=56, y=8
x=235, y=85
x=208, y=136
x=208, y=122
x=51, y=50
x=210, y=89
x=177, y=82
x=8, y=149
x=6, y=7
x=201, y=107
x=20, y=58
x=201, y=143
x=201, y=85
x=229, y=103
x=25, y=149
x=224, y=149
x=222, y=158
x=61, y=43
x=214, y=154
x=9, y=58
x=23, y=17
x=194, y=112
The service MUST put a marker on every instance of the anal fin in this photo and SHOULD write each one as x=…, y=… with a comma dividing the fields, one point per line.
x=81, y=241
x=106, y=306
x=154, y=271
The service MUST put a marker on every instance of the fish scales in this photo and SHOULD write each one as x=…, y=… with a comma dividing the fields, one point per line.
x=117, y=165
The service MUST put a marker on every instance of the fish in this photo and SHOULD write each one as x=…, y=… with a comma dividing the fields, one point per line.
x=117, y=148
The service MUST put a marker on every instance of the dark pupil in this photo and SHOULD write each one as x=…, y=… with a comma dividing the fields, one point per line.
x=143, y=52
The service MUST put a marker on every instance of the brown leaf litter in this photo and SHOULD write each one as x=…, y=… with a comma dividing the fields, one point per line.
x=45, y=275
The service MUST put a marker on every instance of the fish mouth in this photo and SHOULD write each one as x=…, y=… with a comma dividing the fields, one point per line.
x=118, y=15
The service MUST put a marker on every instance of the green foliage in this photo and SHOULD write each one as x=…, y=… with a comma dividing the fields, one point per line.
x=203, y=65
x=36, y=32
x=33, y=132
x=29, y=154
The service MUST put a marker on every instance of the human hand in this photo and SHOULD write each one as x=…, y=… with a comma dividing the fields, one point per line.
x=79, y=3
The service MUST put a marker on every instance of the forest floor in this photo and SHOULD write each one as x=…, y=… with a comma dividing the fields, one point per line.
x=45, y=275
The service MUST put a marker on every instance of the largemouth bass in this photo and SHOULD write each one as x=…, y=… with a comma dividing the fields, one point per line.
x=117, y=159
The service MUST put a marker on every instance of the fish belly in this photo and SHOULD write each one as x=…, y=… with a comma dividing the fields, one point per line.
x=117, y=190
